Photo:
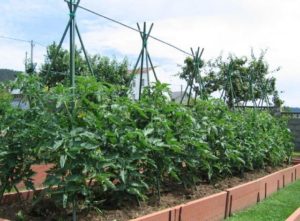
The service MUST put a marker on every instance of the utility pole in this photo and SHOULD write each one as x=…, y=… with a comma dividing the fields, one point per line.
x=29, y=67
x=31, y=54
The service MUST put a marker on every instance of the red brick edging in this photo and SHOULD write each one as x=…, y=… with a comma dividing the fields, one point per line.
x=295, y=216
x=215, y=207
x=221, y=205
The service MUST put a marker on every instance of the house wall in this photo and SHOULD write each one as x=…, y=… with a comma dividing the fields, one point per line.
x=136, y=84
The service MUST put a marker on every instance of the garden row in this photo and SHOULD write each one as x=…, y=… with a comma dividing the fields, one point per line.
x=214, y=207
x=127, y=149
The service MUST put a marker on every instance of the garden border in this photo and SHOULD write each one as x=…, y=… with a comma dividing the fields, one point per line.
x=295, y=216
x=222, y=205
x=215, y=207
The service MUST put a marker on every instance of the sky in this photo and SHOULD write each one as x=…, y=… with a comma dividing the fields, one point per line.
x=218, y=26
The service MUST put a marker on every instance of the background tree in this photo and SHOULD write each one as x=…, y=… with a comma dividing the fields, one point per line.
x=60, y=68
x=30, y=68
x=8, y=75
x=111, y=71
x=192, y=76
x=105, y=69
x=241, y=79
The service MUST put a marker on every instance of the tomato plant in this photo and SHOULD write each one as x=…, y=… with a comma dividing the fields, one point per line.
x=108, y=149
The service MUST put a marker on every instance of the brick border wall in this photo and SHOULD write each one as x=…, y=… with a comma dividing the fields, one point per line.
x=40, y=175
x=295, y=216
x=221, y=205
x=215, y=207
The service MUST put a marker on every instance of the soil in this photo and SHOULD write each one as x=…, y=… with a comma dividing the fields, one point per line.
x=169, y=198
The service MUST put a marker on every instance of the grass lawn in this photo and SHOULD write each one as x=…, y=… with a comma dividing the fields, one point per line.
x=278, y=207
x=296, y=154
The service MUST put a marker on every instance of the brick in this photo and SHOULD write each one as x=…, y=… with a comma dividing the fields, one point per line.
x=40, y=176
x=270, y=184
x=171, y=214
x=243, y=196
x=211, y=208
x=297, y=171
x=288, y=175
x=41, y=173
x=10, y=198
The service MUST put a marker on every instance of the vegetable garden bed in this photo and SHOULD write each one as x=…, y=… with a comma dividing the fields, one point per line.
x=170, y=198
x=112, y=152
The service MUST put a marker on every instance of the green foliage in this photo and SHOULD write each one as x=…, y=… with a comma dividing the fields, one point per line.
x=7, y=75
x=19, y=138
x=191, y=73
x=5, y=100
x=60, y=68
x=109, y=149
x=242, y=79
x=188, y=70
x=105, y=70
x=112, y=72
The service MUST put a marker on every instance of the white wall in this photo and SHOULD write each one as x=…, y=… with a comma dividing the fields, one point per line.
x=136, y=84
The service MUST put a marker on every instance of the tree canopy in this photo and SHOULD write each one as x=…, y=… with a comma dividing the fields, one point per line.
x=239, y=80
x=105, y=69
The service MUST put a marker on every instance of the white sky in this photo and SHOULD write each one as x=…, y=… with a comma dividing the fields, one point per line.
x=217, y=25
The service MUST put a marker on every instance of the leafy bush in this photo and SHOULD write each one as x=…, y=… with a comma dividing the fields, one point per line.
x=18, y=140
x=108, y=148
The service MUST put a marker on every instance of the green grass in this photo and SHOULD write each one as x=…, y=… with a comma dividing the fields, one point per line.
x=296, y=154
x=278, y=207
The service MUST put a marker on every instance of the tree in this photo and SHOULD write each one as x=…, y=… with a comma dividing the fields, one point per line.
x=241, y=79
x=59, y=71
x=111, y=71
x=8, y=75
x=190, y=72
x=105, y=70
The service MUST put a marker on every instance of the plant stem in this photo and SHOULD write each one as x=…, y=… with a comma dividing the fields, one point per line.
x=74, y=215
x=158, y=186
x=18, y=192
x=2, y=192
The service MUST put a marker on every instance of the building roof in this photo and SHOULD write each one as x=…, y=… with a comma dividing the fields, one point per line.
x=177, y=96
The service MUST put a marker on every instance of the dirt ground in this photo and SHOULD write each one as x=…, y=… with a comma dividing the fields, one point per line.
x=169, y=198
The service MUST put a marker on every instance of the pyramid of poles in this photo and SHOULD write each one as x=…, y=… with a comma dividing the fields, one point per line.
x=195, y=82
x=144, y=59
